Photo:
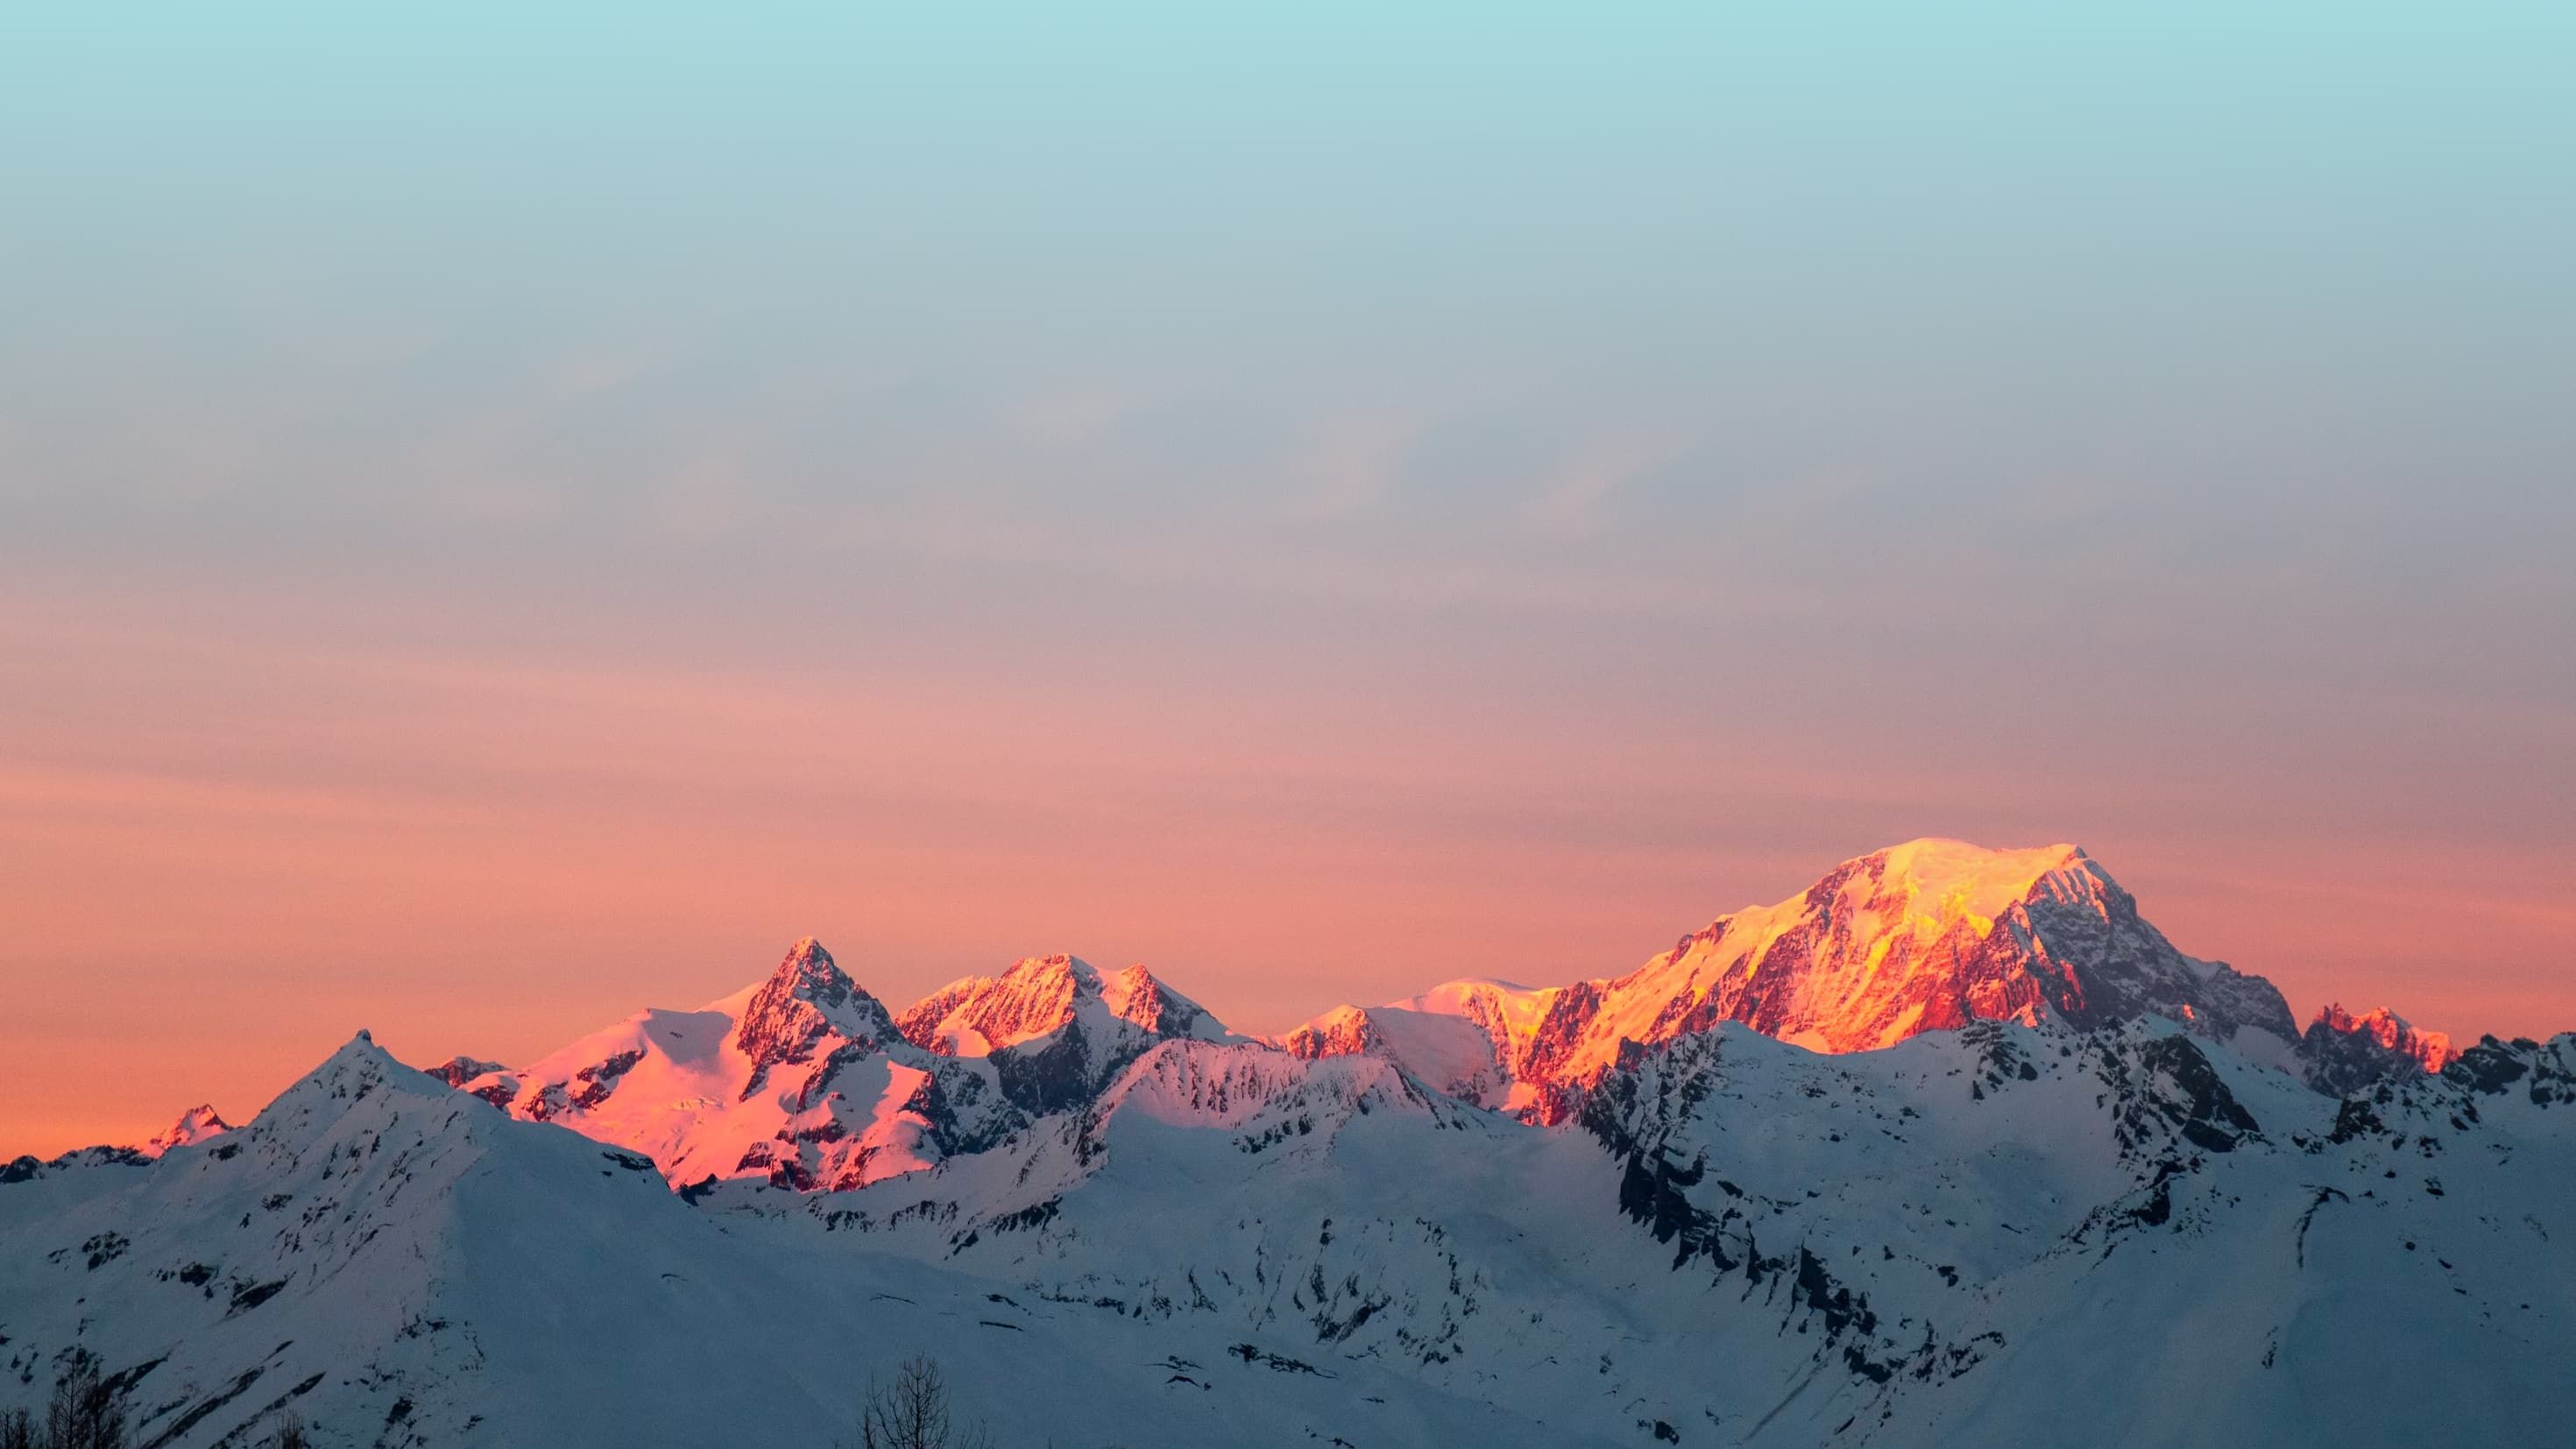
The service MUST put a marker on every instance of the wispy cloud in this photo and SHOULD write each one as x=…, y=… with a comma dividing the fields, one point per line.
x=1570, y=504
x=1351, y=466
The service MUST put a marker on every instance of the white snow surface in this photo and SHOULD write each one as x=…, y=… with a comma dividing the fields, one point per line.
x=2005, y=1234
x=2012, y=1232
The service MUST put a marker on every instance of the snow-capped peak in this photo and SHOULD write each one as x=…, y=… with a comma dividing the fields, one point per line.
x=1956, y=875
x=1137, y=995
x=358, y=1070
x=1923, y=936
x=809, y=973
x=806, y=1079
x=1041, y=995
x=194, y=1125
x=805, y=999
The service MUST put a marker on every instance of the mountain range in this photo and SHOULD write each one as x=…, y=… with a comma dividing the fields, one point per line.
x=1952, y=1147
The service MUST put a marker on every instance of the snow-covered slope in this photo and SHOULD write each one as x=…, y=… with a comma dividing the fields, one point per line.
x=2132, y=1235
x=2005, y=1234
x=1603, y=1214
x=398, y=1264
x=806, y=1080
x=1464, y=1036
x=1925, y=936
x=195, y=1125
x=799, y=1079
x=1041, y=995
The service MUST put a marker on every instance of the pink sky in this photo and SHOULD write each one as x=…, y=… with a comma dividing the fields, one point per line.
x=237, y=836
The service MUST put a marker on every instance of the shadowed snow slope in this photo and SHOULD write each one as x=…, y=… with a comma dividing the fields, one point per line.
x=2004, y=1234
x=397, y=1263
x=2108, y=1204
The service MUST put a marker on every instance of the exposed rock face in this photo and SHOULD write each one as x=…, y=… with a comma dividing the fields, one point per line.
x=29, y=1168
x=807, y=999
x=976, y=1014
x=2182, y=1095
x=2543, y=1071
x=194, y=1125
x=1344, y=1031
x=800, y=1080
x=1926, y=936
x=1053, y=1028
x=1136, y=995
x=807, y=1081
x=457, y=1070
x=2342, y=1053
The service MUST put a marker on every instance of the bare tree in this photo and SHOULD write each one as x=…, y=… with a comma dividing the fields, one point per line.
x=85, y=1413
x=913, y=1412
x=88, y=1413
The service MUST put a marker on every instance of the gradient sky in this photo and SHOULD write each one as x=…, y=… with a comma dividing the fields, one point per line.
x=508, y=517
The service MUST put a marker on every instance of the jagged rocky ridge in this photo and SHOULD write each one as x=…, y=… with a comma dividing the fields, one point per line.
x=195, y=1125
x=1926, y=936
x=2342, y=1053
x=2118, y=1229
x=807, y=1081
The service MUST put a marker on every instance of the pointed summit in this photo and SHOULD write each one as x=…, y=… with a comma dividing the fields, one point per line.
x=358, y=1070
x=1137, y=995
x=805, y=999
x=809, y=972
x=194, y=1125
